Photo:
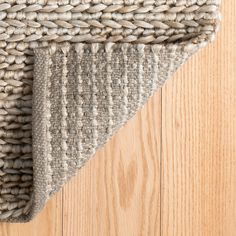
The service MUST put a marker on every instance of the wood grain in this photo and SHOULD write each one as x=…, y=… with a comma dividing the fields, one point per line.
x=198, y=189
x=170, y=170
x=118, y=192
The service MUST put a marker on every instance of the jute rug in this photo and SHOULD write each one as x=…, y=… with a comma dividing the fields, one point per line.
x=72, y=72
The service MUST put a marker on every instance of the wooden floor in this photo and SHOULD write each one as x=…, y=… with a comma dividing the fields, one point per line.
x=171, y=170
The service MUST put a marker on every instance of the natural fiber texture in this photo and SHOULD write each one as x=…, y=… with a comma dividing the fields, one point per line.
x=95, y=63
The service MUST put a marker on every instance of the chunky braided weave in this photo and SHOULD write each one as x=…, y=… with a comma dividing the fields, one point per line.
x=29, y=24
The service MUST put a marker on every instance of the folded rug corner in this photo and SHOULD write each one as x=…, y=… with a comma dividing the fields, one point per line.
x=72, y=73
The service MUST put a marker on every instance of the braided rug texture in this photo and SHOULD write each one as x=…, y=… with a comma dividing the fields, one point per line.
x=88, y=66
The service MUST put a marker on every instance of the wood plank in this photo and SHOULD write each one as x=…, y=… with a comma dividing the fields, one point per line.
x=47, y=223
x=117, y=192
x=198, y=193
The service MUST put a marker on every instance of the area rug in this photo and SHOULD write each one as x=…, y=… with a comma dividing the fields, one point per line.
x=72, y=72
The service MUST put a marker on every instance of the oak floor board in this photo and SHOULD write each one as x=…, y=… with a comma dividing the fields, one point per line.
x=198, y=188
x=117, y=193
